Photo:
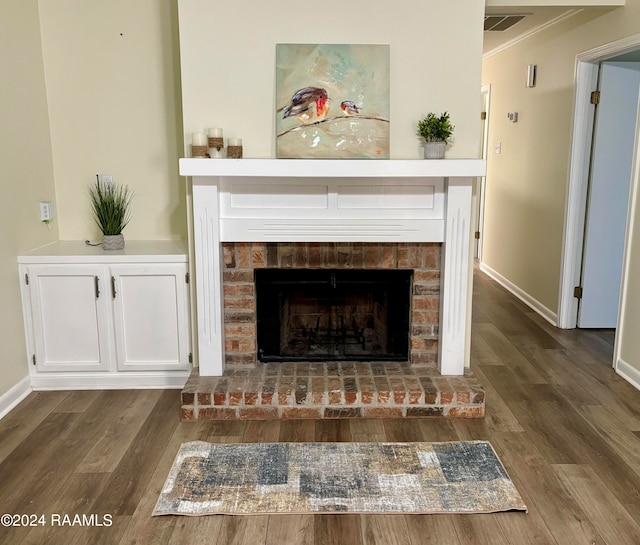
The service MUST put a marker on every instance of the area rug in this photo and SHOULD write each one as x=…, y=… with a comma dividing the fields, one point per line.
x=241, y=479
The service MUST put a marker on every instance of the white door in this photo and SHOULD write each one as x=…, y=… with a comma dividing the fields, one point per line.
x=608, y=199
x=69, y=307
x=150, y=316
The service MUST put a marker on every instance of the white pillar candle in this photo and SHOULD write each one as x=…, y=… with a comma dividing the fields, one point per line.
x=198, y=139
x=217, y=132
x=235, y=142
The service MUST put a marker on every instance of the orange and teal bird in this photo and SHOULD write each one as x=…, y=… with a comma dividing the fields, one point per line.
x=302, y=101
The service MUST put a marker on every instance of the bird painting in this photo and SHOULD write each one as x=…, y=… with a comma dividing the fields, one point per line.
x=332, y=101
x=302, y=102
x=349, y=107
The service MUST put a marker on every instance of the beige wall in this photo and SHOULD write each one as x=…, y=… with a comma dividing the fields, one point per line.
x=527, y=183
x=627, y=336
x=113, y=87
x=26, y=172
x=228, y=63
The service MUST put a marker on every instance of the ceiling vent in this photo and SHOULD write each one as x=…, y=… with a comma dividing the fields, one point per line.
x=499, y=23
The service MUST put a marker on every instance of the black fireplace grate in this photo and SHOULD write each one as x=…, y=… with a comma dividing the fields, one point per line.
x=333, y=314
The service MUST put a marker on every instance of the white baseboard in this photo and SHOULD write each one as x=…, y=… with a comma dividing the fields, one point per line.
x=629, y=373
x=14, y=395
x=114, y=381
x=531, y=302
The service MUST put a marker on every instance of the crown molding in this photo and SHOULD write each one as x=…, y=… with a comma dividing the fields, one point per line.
x=562, y=17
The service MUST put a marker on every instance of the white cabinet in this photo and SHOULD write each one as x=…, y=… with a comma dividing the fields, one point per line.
x=98, y=319
x=70, y=317
x=150, y=308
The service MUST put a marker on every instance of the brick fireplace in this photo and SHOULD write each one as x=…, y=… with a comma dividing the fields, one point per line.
x=266, y=214
x=242, y=259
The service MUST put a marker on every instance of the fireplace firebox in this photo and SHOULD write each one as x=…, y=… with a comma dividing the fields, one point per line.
x=333, y=314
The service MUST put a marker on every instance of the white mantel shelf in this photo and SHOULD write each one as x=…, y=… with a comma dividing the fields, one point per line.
x=327, y=200
x=318, y=168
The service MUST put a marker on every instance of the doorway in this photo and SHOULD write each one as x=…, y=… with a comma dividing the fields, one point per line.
x=608, y=193
x=576, y=218
x=485, y=93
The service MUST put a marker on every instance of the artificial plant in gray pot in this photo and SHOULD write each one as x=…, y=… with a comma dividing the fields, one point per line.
x=111, y=206
x=436, y=131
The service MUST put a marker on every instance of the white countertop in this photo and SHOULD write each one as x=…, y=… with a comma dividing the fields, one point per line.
x=135, y=251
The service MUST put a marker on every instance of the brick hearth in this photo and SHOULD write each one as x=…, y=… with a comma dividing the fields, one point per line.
x=331, y=390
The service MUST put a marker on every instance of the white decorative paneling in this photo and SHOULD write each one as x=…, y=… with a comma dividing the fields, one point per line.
x=383, y=197
x=208, y=279
x=284, y=196
x=455, y=277
x=368, y=199
x=291, y=230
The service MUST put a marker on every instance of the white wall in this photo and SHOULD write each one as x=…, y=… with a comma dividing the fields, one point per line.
x=228, y=63
x=113, y=87
x=26, y=172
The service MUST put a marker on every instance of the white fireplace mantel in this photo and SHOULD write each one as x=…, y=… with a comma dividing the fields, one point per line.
x=296, y=200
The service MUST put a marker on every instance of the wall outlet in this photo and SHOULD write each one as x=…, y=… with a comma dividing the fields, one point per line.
x=46, y=211
x=106, y=179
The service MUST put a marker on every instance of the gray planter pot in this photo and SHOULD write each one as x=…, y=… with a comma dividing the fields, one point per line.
x=112, y=242
x=434, y=150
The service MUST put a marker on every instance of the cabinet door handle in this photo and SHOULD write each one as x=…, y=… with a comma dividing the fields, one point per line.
x=113, y=287
x=96, y=285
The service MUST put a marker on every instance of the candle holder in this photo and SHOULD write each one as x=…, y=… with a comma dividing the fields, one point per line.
x=234, y=148
x=216, y=142
x=199, y=151
x=234, y=152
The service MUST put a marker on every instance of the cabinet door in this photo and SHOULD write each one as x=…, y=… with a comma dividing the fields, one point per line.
x=69, y=306
x=150, y=316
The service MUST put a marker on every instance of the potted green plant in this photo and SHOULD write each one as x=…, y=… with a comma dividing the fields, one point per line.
x=436, y=131
x=111, y=206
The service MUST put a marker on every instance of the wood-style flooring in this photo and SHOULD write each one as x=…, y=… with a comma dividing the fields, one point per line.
x=565, y=425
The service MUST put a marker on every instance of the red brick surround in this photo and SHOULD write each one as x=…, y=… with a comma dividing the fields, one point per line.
x=240, y=260
x=332, y=390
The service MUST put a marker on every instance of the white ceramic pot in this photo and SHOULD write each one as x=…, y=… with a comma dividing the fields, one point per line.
x=434, y=150
x=112, y=242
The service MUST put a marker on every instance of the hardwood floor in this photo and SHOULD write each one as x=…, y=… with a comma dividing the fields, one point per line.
x=565, y=425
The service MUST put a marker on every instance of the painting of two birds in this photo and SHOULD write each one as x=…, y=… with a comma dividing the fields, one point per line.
x=332, y=101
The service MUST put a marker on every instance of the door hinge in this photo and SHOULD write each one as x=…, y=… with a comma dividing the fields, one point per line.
x=595, y=97
x=26, y=278
x=33, y=359
x=190, y=357
x=186, y=277
x=483, y=115
x=477, y=234
x=577, y=292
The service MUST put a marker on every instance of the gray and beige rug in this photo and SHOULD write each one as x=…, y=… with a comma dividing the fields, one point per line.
x=240, y=479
